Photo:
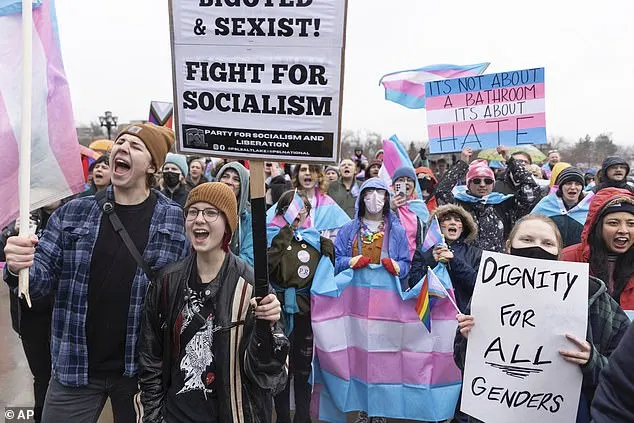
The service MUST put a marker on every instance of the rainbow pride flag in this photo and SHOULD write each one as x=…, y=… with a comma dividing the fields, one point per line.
x=372, y=353
x=407, y=88
x=161, y=113
x=423, y=308
x=56, y=169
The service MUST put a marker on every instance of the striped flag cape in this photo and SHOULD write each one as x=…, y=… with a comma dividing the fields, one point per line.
x=326, y=214
x=433, y=236
x=56, y=170
x=373, y=354
x=407, y=88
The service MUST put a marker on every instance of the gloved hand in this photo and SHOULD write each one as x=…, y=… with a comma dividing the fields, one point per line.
x=358, y=262
x=391, y=266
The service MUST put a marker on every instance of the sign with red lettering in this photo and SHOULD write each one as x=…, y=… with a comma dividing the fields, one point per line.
x=258, y=79
x=522, y=309
x=485, y=111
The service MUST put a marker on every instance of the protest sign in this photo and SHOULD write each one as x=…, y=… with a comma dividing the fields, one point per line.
x=259, y=79
x=522, y=308
x=485, y=111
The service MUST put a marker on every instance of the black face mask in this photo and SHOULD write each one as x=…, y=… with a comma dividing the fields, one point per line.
x=171, y=179
x=533, y=252
x=425, y=184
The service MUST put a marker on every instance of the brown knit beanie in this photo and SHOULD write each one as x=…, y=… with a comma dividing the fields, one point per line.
x=157, y=139
x=218, y=195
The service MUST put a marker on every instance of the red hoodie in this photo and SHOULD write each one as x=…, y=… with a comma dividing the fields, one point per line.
x=581, y=252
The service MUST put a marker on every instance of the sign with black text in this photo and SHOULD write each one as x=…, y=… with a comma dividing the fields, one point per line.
x=259, y=79
x=522, y=310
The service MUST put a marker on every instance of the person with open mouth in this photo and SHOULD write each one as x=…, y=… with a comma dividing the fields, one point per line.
x=463, y=257
x=99, y=285
x=614, y=172
x=346, y=188
x=201, y=359
x=568, y=207
x=99, y=174
x=606, y=243
x=494, y=212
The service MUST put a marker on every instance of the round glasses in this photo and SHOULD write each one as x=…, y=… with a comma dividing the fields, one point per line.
x=210, y=215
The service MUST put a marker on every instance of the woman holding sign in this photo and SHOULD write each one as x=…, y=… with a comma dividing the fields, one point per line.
x=536, y=236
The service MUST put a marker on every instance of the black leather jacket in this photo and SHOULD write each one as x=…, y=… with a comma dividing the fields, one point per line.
x=251, y=381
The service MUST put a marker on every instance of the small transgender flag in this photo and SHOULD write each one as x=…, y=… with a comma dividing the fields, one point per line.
x=294, y=208
x=407, y=88
x=433, y=236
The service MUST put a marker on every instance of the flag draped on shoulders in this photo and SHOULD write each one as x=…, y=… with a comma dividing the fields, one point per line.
x=407, y=88
x=372, y=353
x=553, y=205
x=56, y=170
x=460, y=193
x=325, y=214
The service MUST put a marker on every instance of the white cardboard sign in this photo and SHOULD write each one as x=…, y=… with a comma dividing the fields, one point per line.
x=258, y=79
x=522, y=308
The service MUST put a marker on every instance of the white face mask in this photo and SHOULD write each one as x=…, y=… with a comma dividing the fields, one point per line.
x=374, y=201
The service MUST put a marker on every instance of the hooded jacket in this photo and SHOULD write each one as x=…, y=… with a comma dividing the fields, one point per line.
x=245, y=383
x=242, y=241
x=463, y=268
x=396, y=238
x=608, y=183
x=581, y=252
x=493, y=218
x=431, y=202
x=607, y=324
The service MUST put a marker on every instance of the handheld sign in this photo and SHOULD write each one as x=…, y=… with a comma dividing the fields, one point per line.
x=258, y=79
x=485, y=111
x=522, y=308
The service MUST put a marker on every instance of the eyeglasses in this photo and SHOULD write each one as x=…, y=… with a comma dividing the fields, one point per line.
x=210, y=215
x=478, y=181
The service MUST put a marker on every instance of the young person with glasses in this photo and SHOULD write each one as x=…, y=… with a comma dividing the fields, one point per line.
x=201, y=359
x=493, y=212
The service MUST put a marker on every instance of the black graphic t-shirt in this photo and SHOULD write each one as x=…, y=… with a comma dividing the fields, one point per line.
x=191, y=396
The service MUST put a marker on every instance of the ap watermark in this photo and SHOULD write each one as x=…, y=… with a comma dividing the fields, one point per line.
x=19, y=414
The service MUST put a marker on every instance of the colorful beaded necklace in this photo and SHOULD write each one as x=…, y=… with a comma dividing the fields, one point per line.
x=368, y=236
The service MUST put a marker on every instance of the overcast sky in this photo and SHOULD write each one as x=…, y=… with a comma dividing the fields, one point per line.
x=117, y=57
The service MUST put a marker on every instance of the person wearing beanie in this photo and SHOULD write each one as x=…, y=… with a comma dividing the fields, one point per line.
x=209, y=354
x=332, y=173
x=411, y=211
x=372, y=171
x=346, y=190
x=552, y=183
x=494, y=213
x=614, y=173
x=98, y=284
x=174, y=173
x=196, y=172
x=296, y=254
x=236, y=176
x=568, y=207
x=606, y=243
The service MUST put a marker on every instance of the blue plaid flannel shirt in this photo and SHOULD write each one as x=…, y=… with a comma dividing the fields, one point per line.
x=62, y=264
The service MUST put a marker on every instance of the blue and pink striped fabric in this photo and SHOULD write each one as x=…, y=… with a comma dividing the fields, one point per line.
x=325, y=214
x=407, y=88
x=433, y=236
x=56, y=170
x=373, y=353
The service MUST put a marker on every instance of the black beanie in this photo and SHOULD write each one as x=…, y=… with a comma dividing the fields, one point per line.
x=570, y=174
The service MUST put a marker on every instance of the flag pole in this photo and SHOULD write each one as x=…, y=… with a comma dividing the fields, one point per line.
x=24, y=176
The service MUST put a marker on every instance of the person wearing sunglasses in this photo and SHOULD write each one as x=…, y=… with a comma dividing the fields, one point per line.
x=494, y=213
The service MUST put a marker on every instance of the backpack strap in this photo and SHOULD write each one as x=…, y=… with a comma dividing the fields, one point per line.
x=107, y=207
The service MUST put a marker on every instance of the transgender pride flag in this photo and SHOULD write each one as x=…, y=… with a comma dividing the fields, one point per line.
x=56, y=170
x=407, y=88
x=372, y=353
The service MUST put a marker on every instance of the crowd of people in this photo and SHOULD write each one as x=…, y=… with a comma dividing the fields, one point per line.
x=142, y=285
